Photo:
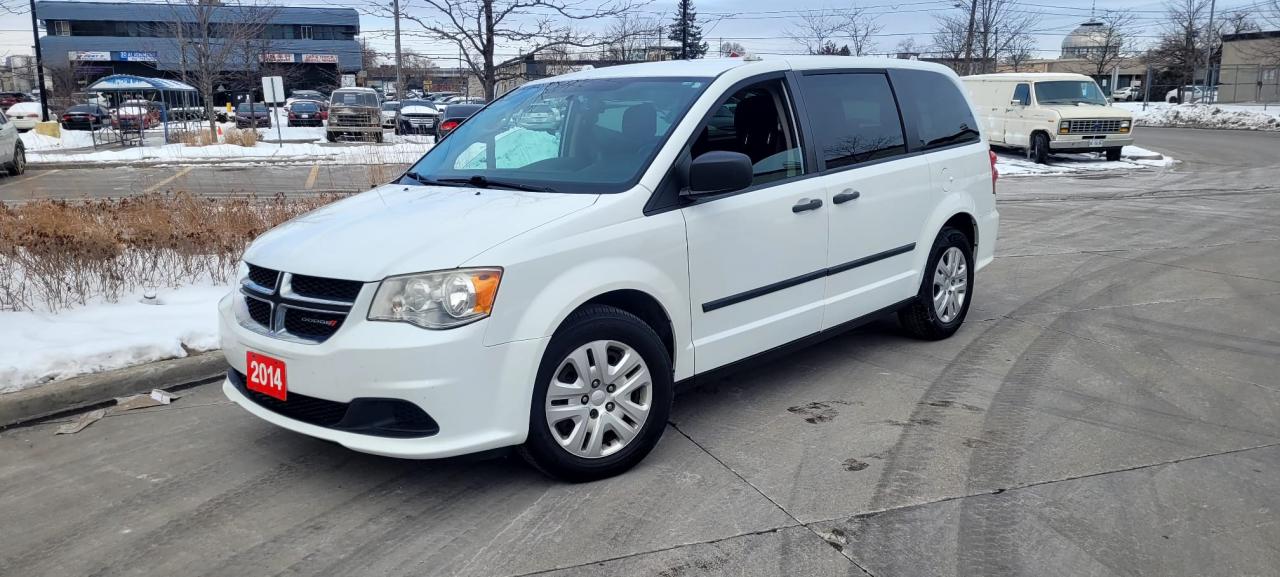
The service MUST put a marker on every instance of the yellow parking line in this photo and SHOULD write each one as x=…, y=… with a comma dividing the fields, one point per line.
x=40, y=174
x=157, y=185
x=311, y=178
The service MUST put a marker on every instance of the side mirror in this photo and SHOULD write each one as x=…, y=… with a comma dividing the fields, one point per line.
x=717, y=172
x=1016, y=102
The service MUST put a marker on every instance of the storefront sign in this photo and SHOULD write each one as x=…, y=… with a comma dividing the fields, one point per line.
x=277, y=57
x=130, y=56
x=320, y=58
x=89, y=56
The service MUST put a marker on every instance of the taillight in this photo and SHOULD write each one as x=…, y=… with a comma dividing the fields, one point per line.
x=449, y=125
x=995, y=173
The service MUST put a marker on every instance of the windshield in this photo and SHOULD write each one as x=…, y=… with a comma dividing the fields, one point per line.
x=1069, y=92
x=608, y=131
x=360, y=98
x=304, y=107
x=391, y=106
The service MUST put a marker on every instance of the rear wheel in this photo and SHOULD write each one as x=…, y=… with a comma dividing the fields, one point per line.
x=943, y=300
x=330, y=137
x=1039, y=150
x=18, y=165
x=1113, y=153
x=602, y=397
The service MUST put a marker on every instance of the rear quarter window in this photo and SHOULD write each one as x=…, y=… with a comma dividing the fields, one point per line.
x=935, y=107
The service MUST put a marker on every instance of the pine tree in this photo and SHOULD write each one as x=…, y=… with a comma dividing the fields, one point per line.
x=685, y=29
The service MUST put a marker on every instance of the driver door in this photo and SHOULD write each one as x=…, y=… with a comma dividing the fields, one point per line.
x=1017, y=121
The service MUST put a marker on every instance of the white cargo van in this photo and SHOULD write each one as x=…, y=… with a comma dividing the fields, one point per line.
x=1046, y=112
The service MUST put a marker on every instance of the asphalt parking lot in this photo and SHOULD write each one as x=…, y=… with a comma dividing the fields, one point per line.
x=1111, y=407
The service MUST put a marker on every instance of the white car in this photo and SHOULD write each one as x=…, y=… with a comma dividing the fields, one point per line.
x=13, y=156
x=24, y=115
x=390, y=109
x=1126, y=93
x=517, y=287
x=1192, y=95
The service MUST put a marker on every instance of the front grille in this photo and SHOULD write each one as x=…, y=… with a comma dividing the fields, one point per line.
x=263, y=277
x=1094, y=126
x=300, y=308
x=325, y=288
x=312, y=325
x=354, y=120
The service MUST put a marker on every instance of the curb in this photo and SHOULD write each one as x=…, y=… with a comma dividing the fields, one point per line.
x=87, y=391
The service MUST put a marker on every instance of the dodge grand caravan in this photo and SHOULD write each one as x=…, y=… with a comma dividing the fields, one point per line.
x=1046, y=112
x=548, y=288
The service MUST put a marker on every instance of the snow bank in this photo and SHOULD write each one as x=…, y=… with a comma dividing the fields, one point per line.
x=1228, y=116
x=402, y=151
x=70, y=139
x=1011, y=163
x=41, y=347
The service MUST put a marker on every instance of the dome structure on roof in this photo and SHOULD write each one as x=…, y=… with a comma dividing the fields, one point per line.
x=1089, y=38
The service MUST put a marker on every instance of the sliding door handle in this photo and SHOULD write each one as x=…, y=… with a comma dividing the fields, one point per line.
x=807, y=204
x=846, y=196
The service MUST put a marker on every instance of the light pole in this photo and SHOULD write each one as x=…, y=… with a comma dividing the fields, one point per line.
x=1208, y=50
x=44, y=94
x=399, y=70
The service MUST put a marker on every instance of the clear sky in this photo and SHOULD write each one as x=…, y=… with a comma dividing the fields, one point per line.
x=760, y=25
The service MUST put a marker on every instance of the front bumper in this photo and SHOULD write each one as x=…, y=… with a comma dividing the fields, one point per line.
x=479, y=395
x=1085, y=142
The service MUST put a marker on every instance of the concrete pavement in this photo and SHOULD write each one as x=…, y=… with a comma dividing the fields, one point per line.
x=1111, y=407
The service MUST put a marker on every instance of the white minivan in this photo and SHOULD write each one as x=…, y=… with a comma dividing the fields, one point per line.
x=1047, y=112
x=549, y=287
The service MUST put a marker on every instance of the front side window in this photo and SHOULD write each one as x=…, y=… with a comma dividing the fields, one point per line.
x=854, y=117
x=937, y=107
x=1022, y=94
x=1069, y=92
x=590, y=136
x=757, y=122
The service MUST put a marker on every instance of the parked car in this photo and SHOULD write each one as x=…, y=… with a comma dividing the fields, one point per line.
x=540, y=117
x=389, y=110
x=554, y=303
x=417, y=117
x=304, y=95
x=453, y=116
x=13, y=156
x=8, y=99
x=1046, y=112
x=1126, y=93
x=253, y=115
x=354, y=113
x=1192, y=95
x=305, y=113
x=24, y=115
x=134, y=115
x=85, y=117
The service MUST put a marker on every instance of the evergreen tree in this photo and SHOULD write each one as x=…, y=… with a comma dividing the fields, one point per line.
x=685, y=29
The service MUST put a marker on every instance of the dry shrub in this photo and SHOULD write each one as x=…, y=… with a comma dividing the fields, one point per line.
x=241, y=137
x=197, y=137
x=55, y=254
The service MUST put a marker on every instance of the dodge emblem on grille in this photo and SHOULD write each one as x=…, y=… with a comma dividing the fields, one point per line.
x=325, y=322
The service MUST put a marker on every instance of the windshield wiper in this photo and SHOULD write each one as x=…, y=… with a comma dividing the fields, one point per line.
x=418, y=178
x=480, y=181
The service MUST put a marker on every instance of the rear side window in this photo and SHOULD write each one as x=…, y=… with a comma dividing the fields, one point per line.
x=854, y=117
x=934, y=103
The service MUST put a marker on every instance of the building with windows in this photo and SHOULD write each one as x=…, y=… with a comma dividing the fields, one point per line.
x=312, y=47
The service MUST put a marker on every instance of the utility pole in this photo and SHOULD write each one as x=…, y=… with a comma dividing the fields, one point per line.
x=399, y=67
x=44, y=94
x=684, y=29
x=968, y=39
x=1208, y=51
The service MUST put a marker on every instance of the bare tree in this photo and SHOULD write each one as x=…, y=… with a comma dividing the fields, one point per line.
x=213, y=39
x=1114, y=39
x=478, y=28
x=1019, y=53
x=908, y=45
x=948, y=40
x=1180, y=49
x=1239, y=21
x=632, y=37
x=728, y=49
x=999, y=25
x=860, y=27
x=815, y=30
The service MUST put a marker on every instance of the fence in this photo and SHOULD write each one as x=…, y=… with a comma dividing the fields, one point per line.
x=1255, y=83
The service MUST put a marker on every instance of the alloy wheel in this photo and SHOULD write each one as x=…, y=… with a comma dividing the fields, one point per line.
x=599, y=399
x=950, y=284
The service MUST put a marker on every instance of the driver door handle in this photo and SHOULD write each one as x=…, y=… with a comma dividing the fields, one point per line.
x=807, y=204
x=846, y=196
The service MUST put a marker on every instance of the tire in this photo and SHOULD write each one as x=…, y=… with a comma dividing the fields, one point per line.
x=377, y=138
x=623, y=333
x=329, y=136
x=1173, y=100
x=18, y=165
x=1113, y=153
x=1039, y=150
x=923, y=318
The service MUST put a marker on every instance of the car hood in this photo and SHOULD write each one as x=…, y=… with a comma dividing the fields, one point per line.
x=397, y=229
x=1070, y=111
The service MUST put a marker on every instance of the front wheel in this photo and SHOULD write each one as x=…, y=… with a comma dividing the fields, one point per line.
x=602, y=397
x=18, y=165
x=1113, y=153
x=945, y=292
x=1039, y=150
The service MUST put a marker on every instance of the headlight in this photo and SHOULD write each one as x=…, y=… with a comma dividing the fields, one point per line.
x=1124, y=124
x=437, y=300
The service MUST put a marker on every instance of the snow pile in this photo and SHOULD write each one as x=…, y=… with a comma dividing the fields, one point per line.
x=402, y=151
x=1015, y=163
x=1228, y=116
x=39, y=347
x=33, y=141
